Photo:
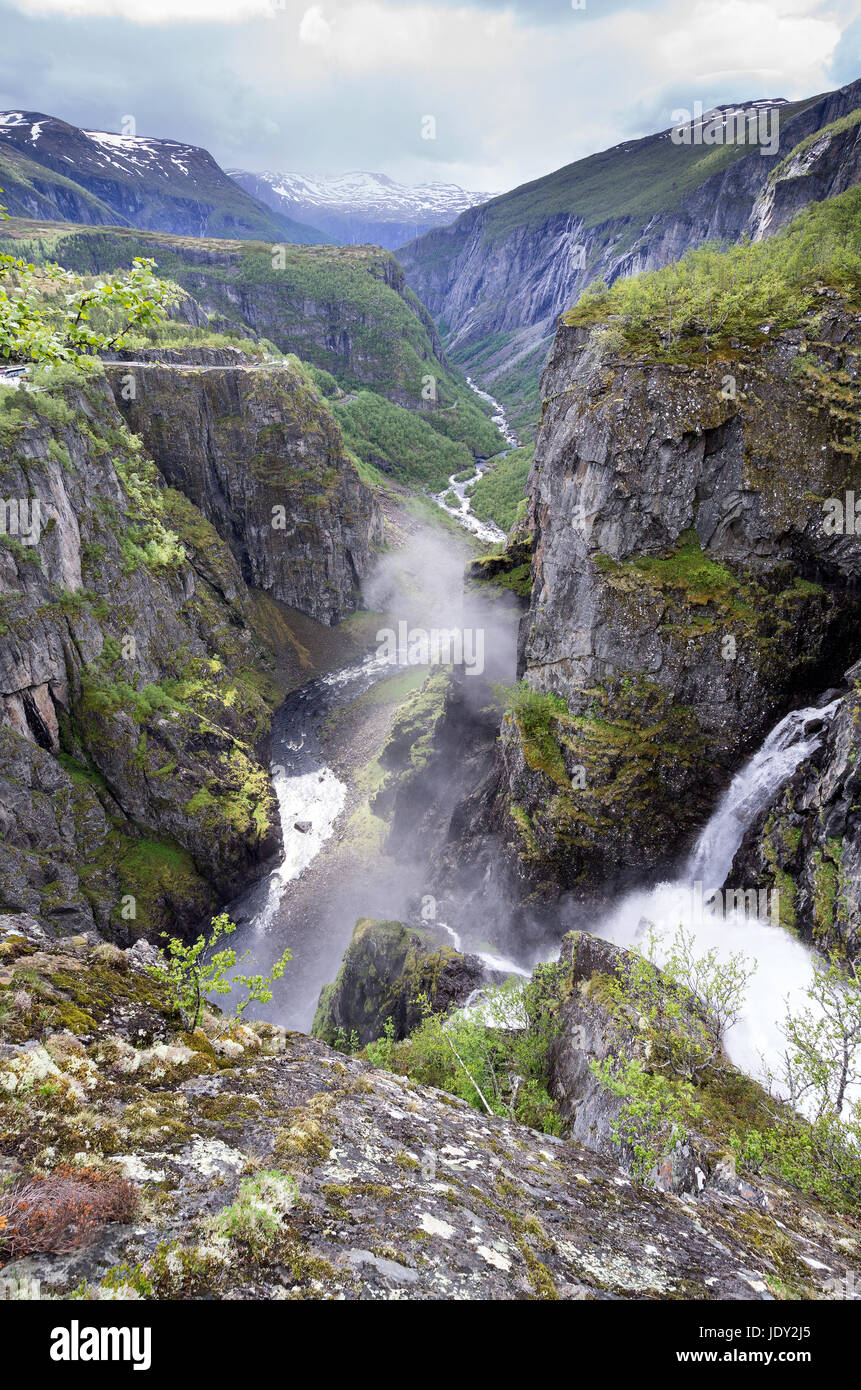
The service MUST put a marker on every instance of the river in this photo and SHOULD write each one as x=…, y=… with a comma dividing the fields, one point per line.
x=325, y=881
x=462, y=488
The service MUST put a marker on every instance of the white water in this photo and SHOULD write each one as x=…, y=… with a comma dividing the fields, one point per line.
x=499, y=417
x=308, y=790
x=784, y=967
x=462, y=513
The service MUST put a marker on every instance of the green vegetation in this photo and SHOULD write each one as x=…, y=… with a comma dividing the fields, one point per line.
x=683, y=1012
x=46, y=314
x=400, y=441
x=345, y=311
x=637, y=180
x=497, y=1058
x=818, y=1150
x=498, y=494
x=517, y=388
x=538, y=717
x=677, y=1077
x=193, y=972
x=256, y=1219
x=714, y=294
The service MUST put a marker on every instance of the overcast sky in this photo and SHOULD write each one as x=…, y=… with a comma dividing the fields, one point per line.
x=515, y=87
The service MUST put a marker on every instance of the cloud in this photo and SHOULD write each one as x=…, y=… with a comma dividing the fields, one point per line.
x=516, y=90
x=155, y=12
x=314, y=27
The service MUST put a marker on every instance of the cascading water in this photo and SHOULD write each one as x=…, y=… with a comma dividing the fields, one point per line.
x=462, y=489
x=694, y=902
x=788, y=744
x=333, y=869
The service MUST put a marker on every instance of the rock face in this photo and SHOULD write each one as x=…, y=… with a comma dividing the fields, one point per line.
x=686, y=592
x=500, y=275
x=593, y=1029
x=385, y=969
x=822, y=166
x=345, y=309
x=586, y=1033
x=257, y=451
x=133, y=688
x=807, y=843
x=589, y=1032
x=280, y=1169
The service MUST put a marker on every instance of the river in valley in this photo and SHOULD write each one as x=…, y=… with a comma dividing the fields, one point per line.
x=461, y=488
x=329, y=877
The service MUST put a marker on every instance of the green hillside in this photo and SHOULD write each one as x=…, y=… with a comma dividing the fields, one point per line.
x=343, y=310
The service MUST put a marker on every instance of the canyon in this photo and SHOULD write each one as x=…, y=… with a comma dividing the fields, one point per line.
x=201, y=713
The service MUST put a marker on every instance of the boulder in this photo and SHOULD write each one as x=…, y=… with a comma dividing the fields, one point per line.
x=387, y=967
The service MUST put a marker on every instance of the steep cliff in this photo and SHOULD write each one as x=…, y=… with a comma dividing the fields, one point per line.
x=345, y=311
x=499, y=277
x=821, y=166
x=136, y=670
x=807, y=843
x=256, y=449
x=686, y=587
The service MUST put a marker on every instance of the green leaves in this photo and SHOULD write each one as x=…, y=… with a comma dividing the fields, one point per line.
x=195, y=971
x=496, y=1056
x=48, y=314
x=681, y=1014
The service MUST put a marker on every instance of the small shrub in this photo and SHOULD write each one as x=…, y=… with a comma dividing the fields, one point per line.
x=62, y=1211
x=256, y=1219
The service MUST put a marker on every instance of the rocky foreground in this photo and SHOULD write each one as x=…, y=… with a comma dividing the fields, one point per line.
x=256, y=1163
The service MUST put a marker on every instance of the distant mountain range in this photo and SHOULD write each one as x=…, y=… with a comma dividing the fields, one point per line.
x=50, y=169
x=360, y=207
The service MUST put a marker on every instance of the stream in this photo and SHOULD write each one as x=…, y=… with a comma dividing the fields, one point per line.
x=484, y=530
x=312, y=900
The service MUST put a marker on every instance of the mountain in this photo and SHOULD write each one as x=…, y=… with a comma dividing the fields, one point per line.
x=500, y=276
x=49, y=168
x=360, y=207
x=685, y=592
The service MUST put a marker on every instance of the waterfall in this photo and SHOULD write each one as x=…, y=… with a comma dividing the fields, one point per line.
x=788, y=744
x=784, y=966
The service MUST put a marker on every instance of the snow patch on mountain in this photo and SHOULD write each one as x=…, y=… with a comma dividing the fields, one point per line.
x=361, y=205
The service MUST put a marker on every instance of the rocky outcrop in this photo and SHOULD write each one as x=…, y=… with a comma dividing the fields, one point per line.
x=345, y=309
x=600, y=1023
x=387, y=970
x=133, y=689
x=807, y=843
x=270, y=1167
x=257, y=451
x=686, y=591
x=822, y=166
